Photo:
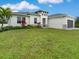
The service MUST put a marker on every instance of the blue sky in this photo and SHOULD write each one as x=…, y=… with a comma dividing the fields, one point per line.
x=70, y=7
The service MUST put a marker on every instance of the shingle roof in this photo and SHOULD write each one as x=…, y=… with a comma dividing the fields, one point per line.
x=24, y=13
x=57, y=15
x=60, y=15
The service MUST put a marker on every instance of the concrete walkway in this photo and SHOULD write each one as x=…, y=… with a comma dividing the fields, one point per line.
x=72, y=28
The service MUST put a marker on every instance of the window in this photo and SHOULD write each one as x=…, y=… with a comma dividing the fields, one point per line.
x=18, y=19
x=23, y=18
x=35, y=20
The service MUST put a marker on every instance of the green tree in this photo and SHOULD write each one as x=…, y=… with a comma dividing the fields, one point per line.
x=77, y=22
x=5, y=14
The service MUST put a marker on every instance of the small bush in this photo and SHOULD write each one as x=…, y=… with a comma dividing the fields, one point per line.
x=29, y=26
x=7, y=28
x=77, y=25
x=0, y=30
x=11, y=28
x=32, y=26
x=38, y=26
x=18, y=27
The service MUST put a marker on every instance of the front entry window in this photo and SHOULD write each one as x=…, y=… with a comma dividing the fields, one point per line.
x=35, y=20
x=18, y=19
x=23, y=21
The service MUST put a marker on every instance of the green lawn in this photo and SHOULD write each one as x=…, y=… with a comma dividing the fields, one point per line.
x=39, y=44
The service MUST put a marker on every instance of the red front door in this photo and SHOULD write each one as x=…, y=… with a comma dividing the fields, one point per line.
x=23, y=21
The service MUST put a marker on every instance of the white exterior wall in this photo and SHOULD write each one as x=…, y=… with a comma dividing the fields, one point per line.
x=39, y=19
x=27, y=21
x=57, y=23
x=13, y=21
x=46, y=17
x=43, y=16
x=32, y=19
x=60, y=23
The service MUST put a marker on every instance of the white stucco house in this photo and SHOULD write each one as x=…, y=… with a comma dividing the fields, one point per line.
x=22, y=18
x=59, y=21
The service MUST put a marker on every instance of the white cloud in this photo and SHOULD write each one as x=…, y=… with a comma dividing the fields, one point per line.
x=23, y=5
x=50, y=1
x=15, y=11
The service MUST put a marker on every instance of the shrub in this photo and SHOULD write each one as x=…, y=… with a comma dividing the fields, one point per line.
x=38, y=25
x=0, y=30
x=7, y=28
x=11, y=28
x=18, y=27
x=32, y=26
x=77, y=25
x=77, y=22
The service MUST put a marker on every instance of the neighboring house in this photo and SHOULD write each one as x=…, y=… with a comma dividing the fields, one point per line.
x=59, y=21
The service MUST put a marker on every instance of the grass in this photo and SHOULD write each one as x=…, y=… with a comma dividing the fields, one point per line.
x=39, y=44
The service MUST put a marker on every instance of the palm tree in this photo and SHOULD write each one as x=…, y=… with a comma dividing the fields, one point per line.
x=5, y=14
